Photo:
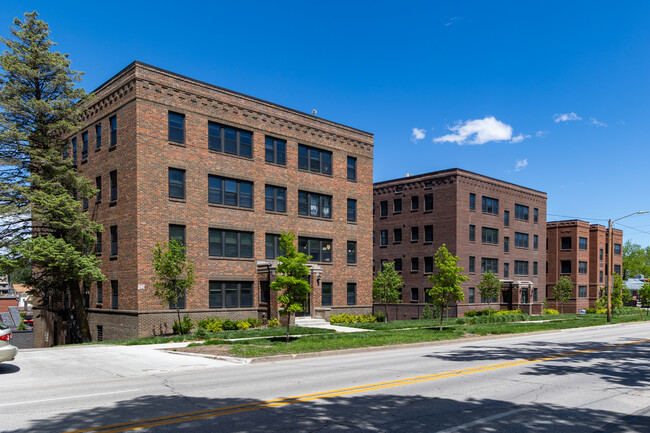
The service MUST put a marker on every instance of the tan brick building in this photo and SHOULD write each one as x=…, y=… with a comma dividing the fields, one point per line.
x=579, y=250
x=225, y=173
x=488, y=223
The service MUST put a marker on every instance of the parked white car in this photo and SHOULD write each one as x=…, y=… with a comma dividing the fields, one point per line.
x=7, y=351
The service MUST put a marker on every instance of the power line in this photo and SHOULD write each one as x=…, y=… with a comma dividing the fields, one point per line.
x=578, y=218
x=633, y=228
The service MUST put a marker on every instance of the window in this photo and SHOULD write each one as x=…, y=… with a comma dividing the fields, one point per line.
x=177, y=233
x=84, y=146
x=428, y=265
x=524, y=295
x=315, y=160
x=472, y=201
x=535, y=241
x=535, y=268
x=617, y=269
x=176, y=123
x=230, y=243
x=352, y=294
x=326, y=300
x=230, y=140
x=397, y=205
x=485, y=300
x=506, y=270
x=601, y=254
x=415, y=234
x=383, y=209
x=320, y=250
x=506, y=218
x=352, y=210
x=230, y=192
x=617, y=249
x=100, y=292
x=314, y=204
x=490, y=205
x=521, y=212
x=415, y=294
x=471, y=297
x=534, y=294
x=275, y=198
x=600, y=276
x=565, y=266
x=415, y=202
x=352, y=252
x=521, y=267
x=98, y=187
x=489, y=236
x=98, y=136
x=177, y=183
x=582, y=267
x=428, y=233
x=582, y=291
x=472, y=233
x=181, y=302
x=582, y=243
x=113, y=240
x=535, y=215
x=112, y=177
x=98, y=244
x=113, y=124
x=114, y=294
x=566, y=243
x=472, y=264
x=383, y=237
x=489, y=265
x=415, y=264
x=230, y=294
x=74, y=151
x=397, y=235
x=521, y=240
x=506, y=244
x=272, y=246
x=84, y=204
x=428, y=202
x=398, y=264
x=275, y=151
x=352, y=168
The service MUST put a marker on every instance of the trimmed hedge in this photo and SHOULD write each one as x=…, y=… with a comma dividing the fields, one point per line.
x=498, y=319
x=550, y=311
x=351, y=318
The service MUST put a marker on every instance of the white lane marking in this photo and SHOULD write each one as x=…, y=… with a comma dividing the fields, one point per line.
x=479, y=421
x=69, y=398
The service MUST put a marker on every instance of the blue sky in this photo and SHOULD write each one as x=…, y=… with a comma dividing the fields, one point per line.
x=554, y=96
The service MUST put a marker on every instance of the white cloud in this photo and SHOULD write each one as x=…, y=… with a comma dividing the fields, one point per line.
x=541, y=133
x=520, y=164
x=519, y=138
x=418, y=134
x=565, y=117
x=595, y=122
x=477, y=131
x=453, y=20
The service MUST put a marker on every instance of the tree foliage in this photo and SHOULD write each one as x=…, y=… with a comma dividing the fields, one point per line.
x=619, y=294
x=446, y=282
x=563, y=290
x=387, y=285
x=291, y=278
x=490, y=288
x=174, y=274
x=636, y=260
x=644, y=295
x=42, y=225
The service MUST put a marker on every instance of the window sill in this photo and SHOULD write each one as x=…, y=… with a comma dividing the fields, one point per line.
x=428, y=242
x=112, y=203
x=315, y=218
x=490, y=214
x=84, y=161
x=113, y=258
x=275, y=164
x=383, y=217
x=174, y=143
x=177, y=200
x=383, y=246
x=237, y=259
x=275, y=212
x=428, y=211
x=234, y=155
x=415, y=210
x=414, y=271
x=225, y=206
x=397, y=242
x=315, y=172
x=397, y=213
x=414, y=241
x=354, y=223
x=352, y=264
x=321, y=263
x=97, y=149
x=352, y=180
x=522, y=220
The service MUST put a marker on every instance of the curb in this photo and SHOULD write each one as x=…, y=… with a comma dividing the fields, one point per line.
x=217, y=357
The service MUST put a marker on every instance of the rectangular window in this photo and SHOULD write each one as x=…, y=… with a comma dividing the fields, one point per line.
x=352, y=210
x=84, y=146
x=397, y=205
x=415, y=234
x=617, y=269
x=506, y=218
x=534, y=294
x=352, y=252
x=488, y=265
x=275, y=151
x=320, y=250
x=397, y=235
x=521, y=267
x=230, y=192
x=565, y=266
x=506, y=270
x=74, y=151
x=176, y=123
x=230, y=294
x=230, y=140
x=582, y=267
x=617, y=249
x=582, y=291
x=98, y=187
x=383, y=209
x=601, y=254
x=565, y=243
x=84, y=204
x=383, y=237
x=272, y=246
x=230, y=243
x=352, y=294
x=398, y=264
x=176, y=183
x=428, y=265
x=415, y=264
x=428, y=202
x=472, y=201
x=415, y=294
x=535, y=215
x=114, y=294
x=98, y=136
x=98, y=244
x=472, y=264
x=415, y=202
x=181, y=302
x=352, y=168
x=314, y=159
x=490, y=205
x=100, y=292
x=506, y=244
x=521, y=212
x=521, y=240
x=112, y=177
x=600, y=276
x=326, y=300
x=471, y=297
x=428, y=233
x=472, y=233
x=275, y=198
x=535, y=268
x=582, y=243
x=314, y=205
x=113, y=240
x=113, y=124
x=535, y=241
x=177, y=233
x=489, y=236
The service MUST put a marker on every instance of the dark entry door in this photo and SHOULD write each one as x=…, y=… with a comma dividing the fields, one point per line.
x=305, y=307
x=507, y=297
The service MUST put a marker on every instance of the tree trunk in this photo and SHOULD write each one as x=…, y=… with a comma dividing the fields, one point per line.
x=288, y=324
x=79, y=311
x=178, y=313
x=441, y=311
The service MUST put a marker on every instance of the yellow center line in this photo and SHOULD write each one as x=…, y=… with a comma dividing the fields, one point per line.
x=279, y=402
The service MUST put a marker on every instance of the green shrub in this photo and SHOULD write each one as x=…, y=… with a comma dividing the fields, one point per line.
x=601, y=311
x=200, y=333
x=471, y=313
x=427, y=313
x=498, y=319
x=210, y=324
x=22, y=326
x=625, y=311
x=243, y=325
x=381, y=316
x=461, y=321
x=229, y=325
x=185, y=327
x=550, y=311
x=273, y=323
x=591, y=311
x=487, y=312
x=351, y=318
x=508, y=312
x=254, y=323
x=23, y=315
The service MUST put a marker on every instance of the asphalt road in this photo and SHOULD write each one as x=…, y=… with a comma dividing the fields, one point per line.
x=586, y=380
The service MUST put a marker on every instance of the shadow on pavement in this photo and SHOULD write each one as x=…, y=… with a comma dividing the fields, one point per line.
x=8, y=368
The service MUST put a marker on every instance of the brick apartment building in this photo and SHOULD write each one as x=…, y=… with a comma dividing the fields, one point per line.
x=579, y=250
x=488, y=223
x=225, y=174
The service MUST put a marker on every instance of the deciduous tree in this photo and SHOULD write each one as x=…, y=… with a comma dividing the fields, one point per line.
x=563, y=290
x=446, y=282
x=636, y=260
x=387, y=285
x=489, y=288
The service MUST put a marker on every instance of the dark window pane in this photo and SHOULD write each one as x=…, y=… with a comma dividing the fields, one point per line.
x=176, y=127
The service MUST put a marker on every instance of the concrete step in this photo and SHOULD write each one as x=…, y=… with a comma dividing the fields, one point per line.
x=310, y=322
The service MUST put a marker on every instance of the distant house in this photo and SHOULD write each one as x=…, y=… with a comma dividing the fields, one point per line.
x=8, y=297
x=635, y=284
